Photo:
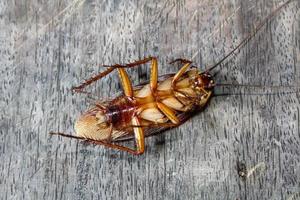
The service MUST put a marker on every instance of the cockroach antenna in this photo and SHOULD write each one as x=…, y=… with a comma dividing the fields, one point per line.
x=250, y=36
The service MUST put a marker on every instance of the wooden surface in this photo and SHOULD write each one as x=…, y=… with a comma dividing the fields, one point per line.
x=47, y=47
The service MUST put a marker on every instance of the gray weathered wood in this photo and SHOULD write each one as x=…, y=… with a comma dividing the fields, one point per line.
x=47, y=47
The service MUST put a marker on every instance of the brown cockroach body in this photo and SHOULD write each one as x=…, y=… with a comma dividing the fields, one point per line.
x=143, y=110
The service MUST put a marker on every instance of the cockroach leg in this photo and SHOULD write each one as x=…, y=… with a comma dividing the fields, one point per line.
x=168, y=112
x=123, y=75
x=154, y=70
x=139, y=138
x=204, y=91
x=138, y=135
x=182, y=94
x=180, y=73
x=182, y=60
x=133, y=64
x=91, y=80
x=166, y=124
x=127, y=86
x=154, y=75
x=126, y=83
x=114, y=146
x=97, y=77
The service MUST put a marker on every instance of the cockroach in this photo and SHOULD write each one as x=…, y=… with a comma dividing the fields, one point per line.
x=165, y=102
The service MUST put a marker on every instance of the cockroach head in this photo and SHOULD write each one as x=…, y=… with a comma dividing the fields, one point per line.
x=205, y=81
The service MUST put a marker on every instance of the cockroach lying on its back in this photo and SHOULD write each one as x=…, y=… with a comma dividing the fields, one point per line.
x=146, y=108
x=143, y=110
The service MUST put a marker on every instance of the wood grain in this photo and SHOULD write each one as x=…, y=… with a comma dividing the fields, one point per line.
x=47, y=47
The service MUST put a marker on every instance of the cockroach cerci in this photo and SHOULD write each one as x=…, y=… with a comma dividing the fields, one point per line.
x=165, y=102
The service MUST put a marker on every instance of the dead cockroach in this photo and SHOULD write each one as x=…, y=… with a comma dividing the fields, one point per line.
x=166, y=102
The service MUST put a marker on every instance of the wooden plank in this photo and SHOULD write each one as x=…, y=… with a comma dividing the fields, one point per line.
x=49, y=46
